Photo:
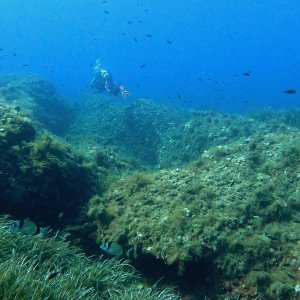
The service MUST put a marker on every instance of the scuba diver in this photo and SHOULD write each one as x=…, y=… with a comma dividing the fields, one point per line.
x=103, y=81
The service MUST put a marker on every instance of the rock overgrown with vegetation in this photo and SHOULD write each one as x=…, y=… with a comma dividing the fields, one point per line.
x=210, y=199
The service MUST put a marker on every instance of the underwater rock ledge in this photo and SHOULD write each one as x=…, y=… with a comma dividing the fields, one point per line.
x=236, y=211
x=220, y=215
x=40, y=177
x=38, y=98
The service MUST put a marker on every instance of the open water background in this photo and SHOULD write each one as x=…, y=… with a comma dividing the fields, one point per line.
x=213, y=43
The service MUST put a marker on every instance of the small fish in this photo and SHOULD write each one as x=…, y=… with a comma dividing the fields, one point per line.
x=112, y=248
x=148, y=35
x=247, y=74
x=169, y=42
x=129, y=22
x=25, y=65
x=106, y=12
x=142, y=66
x=14, y=54
x=26, y=227
x=290, y=92
x=135, y=39
x=178, y=96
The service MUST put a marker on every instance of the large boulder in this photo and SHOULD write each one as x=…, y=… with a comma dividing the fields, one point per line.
x=229, y=223
x=40, y=177
x=136, y=129
x=38, y=98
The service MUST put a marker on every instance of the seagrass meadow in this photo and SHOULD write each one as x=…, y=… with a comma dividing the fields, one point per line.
x=49, y=268
x=205, y=201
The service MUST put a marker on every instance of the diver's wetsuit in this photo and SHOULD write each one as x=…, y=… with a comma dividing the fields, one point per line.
x=103, y=81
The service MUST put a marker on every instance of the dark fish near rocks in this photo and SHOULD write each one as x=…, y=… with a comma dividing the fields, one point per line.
x=28, y=227
x=24, y=226
x=112, y=248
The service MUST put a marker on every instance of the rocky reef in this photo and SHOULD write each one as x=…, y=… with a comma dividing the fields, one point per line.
x=207, y=129
x=136, y=130
x=231, y=218
x=209, y=201
x=40, y=176
x=39, y=99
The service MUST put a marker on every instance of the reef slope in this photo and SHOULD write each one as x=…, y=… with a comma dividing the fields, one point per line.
x=232, y=217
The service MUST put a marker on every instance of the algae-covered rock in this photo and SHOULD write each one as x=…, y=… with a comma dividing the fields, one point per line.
x=230, y=212
x=290, y=117
x=40, y=177
x=206, y=129
x=38, y=98
x=163, y=137
x=136, y=129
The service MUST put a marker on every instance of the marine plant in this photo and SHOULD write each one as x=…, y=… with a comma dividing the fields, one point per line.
x=38, y=98
x=49, y=268
x=40, y=177
x=222, y=219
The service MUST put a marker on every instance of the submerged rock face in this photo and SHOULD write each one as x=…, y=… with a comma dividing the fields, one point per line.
x=229, y=222
x=207, y=129
x=236, y=211
x=158, y=136
x=38, y=98
x=40, y=178
x=136, y=129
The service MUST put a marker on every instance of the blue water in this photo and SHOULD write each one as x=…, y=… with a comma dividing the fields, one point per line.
x=213, y=43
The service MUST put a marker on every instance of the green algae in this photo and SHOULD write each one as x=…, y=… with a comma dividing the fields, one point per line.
x=225, y=208
x=37, y=98
x=223, y=211
x=40, y=176
x=135, y=130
